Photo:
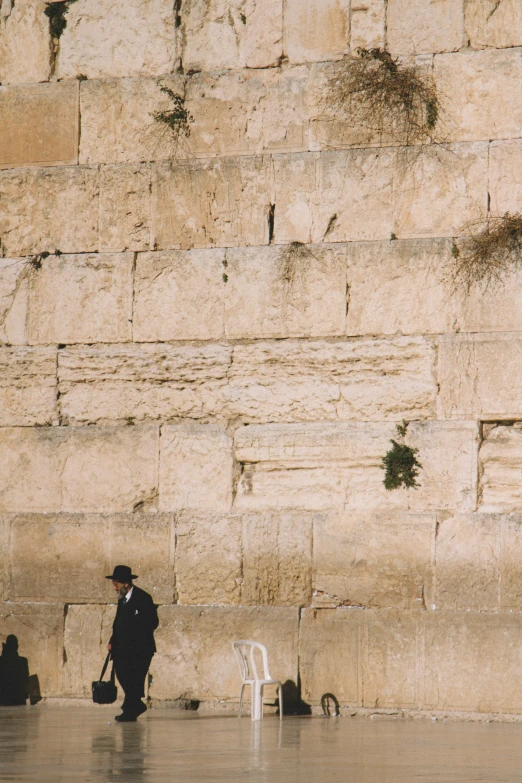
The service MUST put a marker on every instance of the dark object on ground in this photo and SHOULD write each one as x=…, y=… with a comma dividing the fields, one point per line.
x=14, y=674
x=105, y=692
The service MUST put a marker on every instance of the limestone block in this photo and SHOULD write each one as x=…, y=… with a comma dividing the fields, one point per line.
x=81, y=299
x=391, y=658
x=425, y=26
x=14, y=297
x=179, y=295
x=474, y=86
x=211, y=202
x=125, y=208
x=493, y=23
x=77, y=469
x=136, y=382
x=367, y=25
x=86, y=634
x=27, y=386
x=321, y=466
x=59, y=210
x=195, y=658
x=368, y=379
x=505, y=169
x=479, y=376
x=374, y=560
x=208, y=559
x=285, y=292
x=277, y=559
x=5, y=531
x=195, y=468
x=242, y=33
x=500, y=462
x=468, y=563
x=104, y=39
x=39, y=630
x=24, y=43
x=39, y=125
x=295, y=188
x=439, y=190
x=316, y=30
x=510, y=593
x=330, y=650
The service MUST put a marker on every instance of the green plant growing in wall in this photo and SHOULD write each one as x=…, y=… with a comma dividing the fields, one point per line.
x=56, y=12
x=400, y=463
x=176, y=120
x=491, y=250
x=376, y=93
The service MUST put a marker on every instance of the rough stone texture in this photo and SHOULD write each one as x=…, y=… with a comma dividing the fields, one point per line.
x=316, y=30
x=59, y=210
x=136, y=382
x=24, y=43
x=81, y=299
x=510, y=581
x=367, y=25
x=5, y=532
x=125, y=220
x=474, y=86
x=285, y=292
x=14, y=297
x=500, y=463
x=479, y=376
x=393, y=647
x=321, y=466
x=195, y=468
x=379, y=560
x=505, y=168
x=195, y=658
x=207, y=203
x=208, y=559
x=330, y=648
x=39, y=630
x=493, y=23
x=179, y=296
x=39, y=124
x=424, y=26
x=86, y=635
x=243, y=33
x=27, y=386
x=117, y=39
x=78, y=470
x=295, y=183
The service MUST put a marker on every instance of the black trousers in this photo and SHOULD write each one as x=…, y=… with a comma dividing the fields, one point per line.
x=131, y=671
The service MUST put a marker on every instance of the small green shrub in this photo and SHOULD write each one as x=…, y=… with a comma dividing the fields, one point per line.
x=492, y=250
x=400, y=463
x=56, y=14
x=177, y=120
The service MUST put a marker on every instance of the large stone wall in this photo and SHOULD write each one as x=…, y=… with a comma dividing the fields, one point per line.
x=170, y=399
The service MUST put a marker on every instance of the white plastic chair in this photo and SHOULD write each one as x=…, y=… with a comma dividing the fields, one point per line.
x=245, y=654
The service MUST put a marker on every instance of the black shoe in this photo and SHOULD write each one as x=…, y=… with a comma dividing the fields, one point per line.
x=126, y=717
x=141, y=709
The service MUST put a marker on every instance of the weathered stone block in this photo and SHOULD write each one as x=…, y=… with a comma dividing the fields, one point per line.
x=277, y=559
x=391, y=657
x=125, y=208
x=196, y=468
x=179, y=295
x=104, y=39
x=493, y=23
x=285, y=292
x=321, y=466
x=208, y=559
x=510, y=593
x=81, y=299
x=136, y=382
x=211, y=202
x=77, y=469
x=86, y=635
x=59, y=210
x=39, y=125
x=195, y=659
x=220, y=35
x=14, y=297
x=330, y=649
x=439, y=190
x=505, y=170
x=425, y=26
x=468, y=563
x=39, y=630
x=5, y=533
x=367, y=25
x=24, y=43
x=292, y=207
x=500, y=464
x=27, y=386
x=374, y=560
x=369, y=379
x=316, y=30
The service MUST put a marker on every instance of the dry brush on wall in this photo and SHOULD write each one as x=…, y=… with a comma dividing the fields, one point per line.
x=491, y=251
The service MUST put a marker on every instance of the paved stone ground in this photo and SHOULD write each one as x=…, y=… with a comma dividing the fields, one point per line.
x=50, y=744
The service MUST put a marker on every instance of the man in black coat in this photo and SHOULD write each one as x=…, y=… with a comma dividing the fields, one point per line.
x=132, y=642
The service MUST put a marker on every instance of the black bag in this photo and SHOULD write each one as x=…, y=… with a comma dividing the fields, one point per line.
x=105, y=692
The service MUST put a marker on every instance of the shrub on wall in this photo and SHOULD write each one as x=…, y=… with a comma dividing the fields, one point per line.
x=491, y=250
x=400, y=463
x=175, y=121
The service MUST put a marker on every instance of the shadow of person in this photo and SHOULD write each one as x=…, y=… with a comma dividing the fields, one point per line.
x=121, y=756
x=292, y=702
x=14, y=674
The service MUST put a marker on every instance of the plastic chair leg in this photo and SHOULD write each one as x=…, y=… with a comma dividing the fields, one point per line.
x=257, y=706
x=241, y=699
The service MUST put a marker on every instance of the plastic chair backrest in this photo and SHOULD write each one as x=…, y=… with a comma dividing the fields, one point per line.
x=245, y=653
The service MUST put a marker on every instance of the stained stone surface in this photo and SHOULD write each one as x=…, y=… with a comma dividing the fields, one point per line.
x=424, y=27
x=316, y=30
x=493, y=24
x=27, y=386
x=24, y=42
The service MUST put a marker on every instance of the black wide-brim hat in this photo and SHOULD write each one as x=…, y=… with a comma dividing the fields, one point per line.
x=122, y=574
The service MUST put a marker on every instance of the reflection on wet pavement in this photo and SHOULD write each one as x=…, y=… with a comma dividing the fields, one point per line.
x=49, y=743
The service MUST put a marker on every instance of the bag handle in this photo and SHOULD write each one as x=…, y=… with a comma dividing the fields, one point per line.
x=105, y=667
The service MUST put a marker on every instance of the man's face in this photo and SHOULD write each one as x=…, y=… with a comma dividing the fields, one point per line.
x=121, y=588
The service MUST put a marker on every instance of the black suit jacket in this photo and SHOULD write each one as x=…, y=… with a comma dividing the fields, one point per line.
x=134, y=626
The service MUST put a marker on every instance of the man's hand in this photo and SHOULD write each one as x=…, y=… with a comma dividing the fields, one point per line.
x=109, y=647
